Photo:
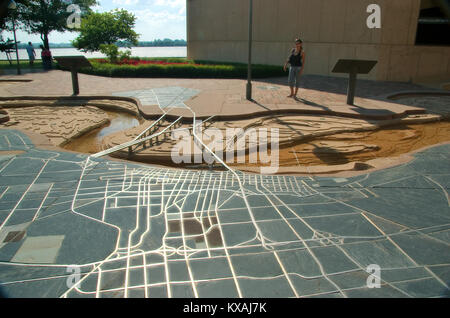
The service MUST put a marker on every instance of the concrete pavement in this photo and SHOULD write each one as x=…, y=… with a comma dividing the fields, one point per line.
x=226, y=97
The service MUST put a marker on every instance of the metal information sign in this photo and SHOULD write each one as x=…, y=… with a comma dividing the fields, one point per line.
x=74, y=63
x=353, y=68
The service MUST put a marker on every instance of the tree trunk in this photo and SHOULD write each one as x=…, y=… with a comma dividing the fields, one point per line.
x=44, y=38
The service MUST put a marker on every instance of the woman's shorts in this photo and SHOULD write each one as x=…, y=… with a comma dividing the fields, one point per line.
x=294, y=76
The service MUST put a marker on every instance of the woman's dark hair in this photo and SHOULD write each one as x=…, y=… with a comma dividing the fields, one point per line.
x=298, y=40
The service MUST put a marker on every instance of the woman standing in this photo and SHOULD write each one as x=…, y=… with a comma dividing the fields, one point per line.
x=297, y=62
x=46, y=56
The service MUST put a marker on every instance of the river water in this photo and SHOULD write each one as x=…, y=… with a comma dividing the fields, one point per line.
x=91, y=141
x=135, y=51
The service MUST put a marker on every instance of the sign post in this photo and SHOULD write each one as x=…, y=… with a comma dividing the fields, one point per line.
x=353, y=68
x=250, y=31
x=73, y=63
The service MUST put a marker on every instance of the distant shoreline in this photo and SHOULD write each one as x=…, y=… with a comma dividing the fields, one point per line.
x=149, y=51
x=156, y=43
x=22, y=46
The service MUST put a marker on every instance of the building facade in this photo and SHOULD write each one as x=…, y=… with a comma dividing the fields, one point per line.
x=217, y=30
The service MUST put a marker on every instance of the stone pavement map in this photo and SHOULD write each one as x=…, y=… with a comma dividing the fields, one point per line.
x=134, y=230
x=164, y=97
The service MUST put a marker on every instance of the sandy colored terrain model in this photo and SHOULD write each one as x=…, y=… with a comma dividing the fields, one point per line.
x=62, y=121
x=314, y=144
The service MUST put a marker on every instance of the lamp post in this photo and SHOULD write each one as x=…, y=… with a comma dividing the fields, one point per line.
x=12, y=6
x=249, y=72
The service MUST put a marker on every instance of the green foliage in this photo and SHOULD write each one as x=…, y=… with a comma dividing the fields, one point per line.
x=207, y=69
x=111, y=51
x=5, y=64
x=163, y=43
x=7, y=15
x=106, y=28
x=167, y=59
x=42, y=17
x=125, y=55
x=6, y=45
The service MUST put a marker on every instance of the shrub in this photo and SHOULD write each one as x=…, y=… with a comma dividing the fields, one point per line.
x=125, y=55
x=111, y=51
x=180, y=68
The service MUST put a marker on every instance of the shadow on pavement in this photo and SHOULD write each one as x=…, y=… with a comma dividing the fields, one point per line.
x=338, y=85
x=13, y=71
x=75, y=102
x=368, y=89
x=373, y=112
x=281, y=122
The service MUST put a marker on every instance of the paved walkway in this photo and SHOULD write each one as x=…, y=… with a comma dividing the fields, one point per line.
x=225, y=97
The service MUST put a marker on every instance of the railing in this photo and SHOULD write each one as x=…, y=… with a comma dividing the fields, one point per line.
x=149, y=135
x=203, y=122
x=152, y=129
x=141, y=139
x=153, y=138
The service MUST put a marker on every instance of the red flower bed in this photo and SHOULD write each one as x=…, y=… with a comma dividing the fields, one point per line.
x=142, y=62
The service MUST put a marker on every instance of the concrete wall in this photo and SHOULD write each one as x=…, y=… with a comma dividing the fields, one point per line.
x=331, y=30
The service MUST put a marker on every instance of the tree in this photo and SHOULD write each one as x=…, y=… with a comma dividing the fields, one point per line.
x=113, y=54
x=6, y=47
x=106, y=28
x=44, y=16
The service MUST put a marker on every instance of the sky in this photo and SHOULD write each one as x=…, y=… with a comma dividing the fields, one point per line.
x=155, y=19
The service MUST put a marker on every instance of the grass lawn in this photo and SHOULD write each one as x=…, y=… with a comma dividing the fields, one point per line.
x=4, y=64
